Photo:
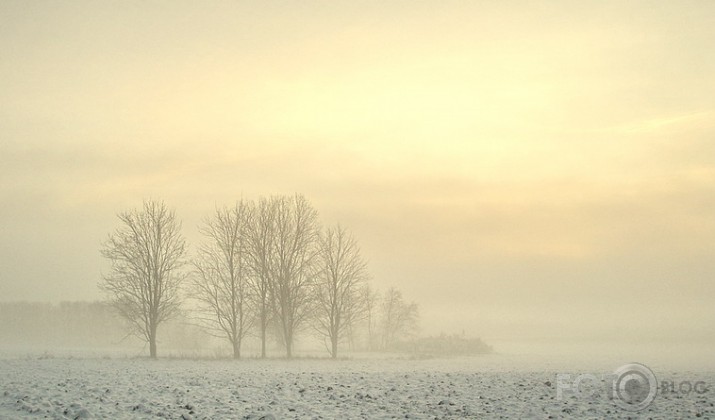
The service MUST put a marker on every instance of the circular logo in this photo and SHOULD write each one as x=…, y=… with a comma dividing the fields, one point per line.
x=634, y=387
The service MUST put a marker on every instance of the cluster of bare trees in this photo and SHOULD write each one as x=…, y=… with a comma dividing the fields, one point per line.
x=263, y=267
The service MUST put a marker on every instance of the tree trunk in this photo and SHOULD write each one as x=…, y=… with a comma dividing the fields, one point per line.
x=263, y=339
x=289, y=349
x=152, y=346
x=152, y=339
x=334, y=351
x=236, y=350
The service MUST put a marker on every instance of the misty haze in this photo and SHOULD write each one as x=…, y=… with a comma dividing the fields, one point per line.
x=265, y=210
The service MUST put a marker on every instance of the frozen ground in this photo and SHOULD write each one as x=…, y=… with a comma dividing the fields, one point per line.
x=480, y=387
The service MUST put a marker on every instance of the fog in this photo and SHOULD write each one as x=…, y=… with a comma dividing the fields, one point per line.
x=540, y=176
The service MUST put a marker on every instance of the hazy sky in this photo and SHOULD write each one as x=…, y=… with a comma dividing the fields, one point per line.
x=519, y=168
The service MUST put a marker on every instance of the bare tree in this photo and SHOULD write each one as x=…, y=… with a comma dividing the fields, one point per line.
x=370, y=298
x=220, y=283
x=342, y=272
x=260, y=249
x=147, y=254
x=292, y=256
x=398, y=317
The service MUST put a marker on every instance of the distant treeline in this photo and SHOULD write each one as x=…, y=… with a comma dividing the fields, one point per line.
x=81, y=325
x=32, y=327
x=68, y=324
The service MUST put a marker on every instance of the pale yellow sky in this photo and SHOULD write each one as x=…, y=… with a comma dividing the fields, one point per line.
x=504, y=158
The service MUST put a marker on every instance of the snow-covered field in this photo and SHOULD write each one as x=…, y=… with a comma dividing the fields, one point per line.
x=479, y=387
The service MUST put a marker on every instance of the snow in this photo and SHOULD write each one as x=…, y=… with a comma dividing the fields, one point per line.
x=482, y=387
